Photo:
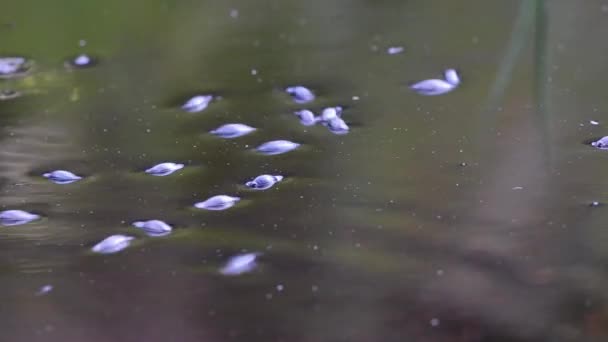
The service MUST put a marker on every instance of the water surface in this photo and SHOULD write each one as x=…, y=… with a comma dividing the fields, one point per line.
x=462, y=217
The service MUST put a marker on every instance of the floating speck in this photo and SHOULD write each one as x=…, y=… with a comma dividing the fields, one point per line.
x=13, y=66
x=264, y=182
x=154, y=228
x=331, y=113
x=44, y=290
x=277, y=147
x=219, y=202
x=16, y=217
x=62, y=177
x=307, y=118
x=435, y=322
x=112, y=244
x=233, y=130
x=602, y=143
x=240, y=264
x=436, y=86
x=393, y=50
x=81, y=61
x=452, y=77
x=197, y=103
x=164, y=169
x=300, y=94
x=337, y=126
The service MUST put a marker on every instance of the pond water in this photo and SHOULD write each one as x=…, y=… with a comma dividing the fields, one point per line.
x=459, y=217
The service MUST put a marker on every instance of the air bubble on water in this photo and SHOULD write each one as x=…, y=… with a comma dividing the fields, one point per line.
x=440, y=272
x=254, y=72
x=280, y=287
x=594, y=123
x=234, y=13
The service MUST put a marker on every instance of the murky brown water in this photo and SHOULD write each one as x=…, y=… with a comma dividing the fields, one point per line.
x=461, y=217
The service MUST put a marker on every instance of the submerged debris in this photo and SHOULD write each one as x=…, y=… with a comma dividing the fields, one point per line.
x=277, y=147
x=164, y=169
x=240, y=264
x=219, y=202
x=62, y=177
x=264, y=182
x=233, y=130
x=112, y=244
x=300, y=94
x=436, y=86
x=154, y=228
x=197, y=103
x=16, y=217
